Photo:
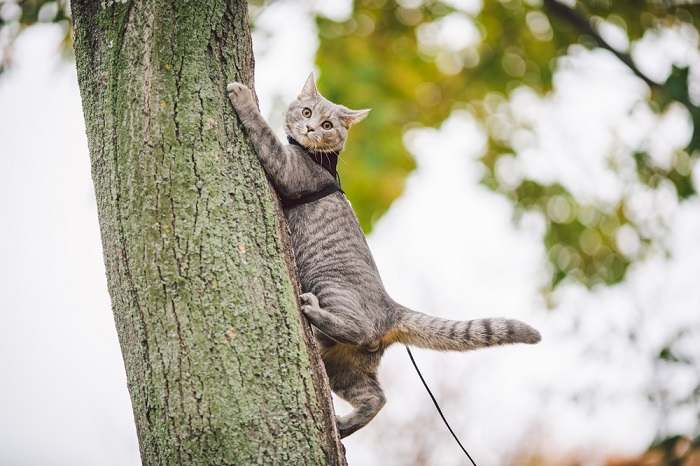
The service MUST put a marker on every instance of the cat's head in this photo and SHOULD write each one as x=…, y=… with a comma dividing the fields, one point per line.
x=317, y=123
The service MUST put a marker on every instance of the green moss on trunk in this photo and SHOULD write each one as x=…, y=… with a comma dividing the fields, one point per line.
x=217, y=357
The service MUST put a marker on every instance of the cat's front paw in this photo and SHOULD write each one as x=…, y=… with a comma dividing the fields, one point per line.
x=239, y=94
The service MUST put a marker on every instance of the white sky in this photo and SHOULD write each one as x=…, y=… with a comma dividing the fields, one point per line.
x=447, y=247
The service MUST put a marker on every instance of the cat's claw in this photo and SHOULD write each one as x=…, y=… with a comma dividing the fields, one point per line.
x=239, y=93
x=311, y=308
x=235, y=87
x=310, y=300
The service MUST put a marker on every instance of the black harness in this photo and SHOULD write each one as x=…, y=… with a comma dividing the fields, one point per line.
x=329, y=162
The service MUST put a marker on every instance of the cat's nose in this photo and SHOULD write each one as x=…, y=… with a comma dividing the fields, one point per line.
x=309, y=129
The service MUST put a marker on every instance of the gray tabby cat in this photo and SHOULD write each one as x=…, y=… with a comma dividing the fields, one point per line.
x=354, y=318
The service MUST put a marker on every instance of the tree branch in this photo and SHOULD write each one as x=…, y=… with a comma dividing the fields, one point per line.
x=583, y=25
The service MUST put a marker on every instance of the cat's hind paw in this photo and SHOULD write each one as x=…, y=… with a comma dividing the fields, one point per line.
x=311, y=308
x=309, y=299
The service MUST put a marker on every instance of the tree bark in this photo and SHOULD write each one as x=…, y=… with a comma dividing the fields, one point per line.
x=221, y=367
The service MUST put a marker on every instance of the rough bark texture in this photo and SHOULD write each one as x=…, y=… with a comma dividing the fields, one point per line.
x=221, y=368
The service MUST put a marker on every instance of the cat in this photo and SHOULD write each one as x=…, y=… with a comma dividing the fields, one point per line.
x=353, y=317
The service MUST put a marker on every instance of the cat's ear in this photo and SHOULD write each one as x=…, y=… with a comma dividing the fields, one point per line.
x=309, y=89
x=350, y=117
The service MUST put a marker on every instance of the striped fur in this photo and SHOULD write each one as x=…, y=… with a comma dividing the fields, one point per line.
x=418, y=329
x=353, y=317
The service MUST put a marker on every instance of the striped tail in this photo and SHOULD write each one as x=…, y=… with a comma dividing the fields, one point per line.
x=418, y=329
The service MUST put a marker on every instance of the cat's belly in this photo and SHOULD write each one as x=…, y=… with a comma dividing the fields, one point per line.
x=330, y=248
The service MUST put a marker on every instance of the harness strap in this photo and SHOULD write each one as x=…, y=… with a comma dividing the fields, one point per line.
x=329, y=162
x=289, y=203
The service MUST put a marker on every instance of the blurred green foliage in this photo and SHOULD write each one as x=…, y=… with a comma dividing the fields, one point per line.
x=386, y=56
x=383, y=56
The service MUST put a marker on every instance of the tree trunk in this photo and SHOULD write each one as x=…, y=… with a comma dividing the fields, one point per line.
x=220, y=366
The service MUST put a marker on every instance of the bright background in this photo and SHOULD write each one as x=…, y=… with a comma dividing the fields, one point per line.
x=594, y=389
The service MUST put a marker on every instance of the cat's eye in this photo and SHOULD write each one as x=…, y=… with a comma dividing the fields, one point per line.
x=306, y=112
x=326, y=125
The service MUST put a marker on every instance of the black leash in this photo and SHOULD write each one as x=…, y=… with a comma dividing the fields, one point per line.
x=437, y=406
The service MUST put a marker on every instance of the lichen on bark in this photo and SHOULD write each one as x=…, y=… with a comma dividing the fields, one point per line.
x=220, y=366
